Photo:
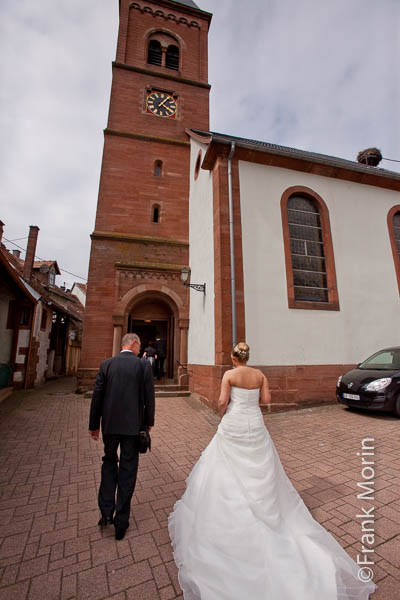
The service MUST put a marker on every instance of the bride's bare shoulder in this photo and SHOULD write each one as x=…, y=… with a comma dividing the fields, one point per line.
x=227, y=375
x=261, y=375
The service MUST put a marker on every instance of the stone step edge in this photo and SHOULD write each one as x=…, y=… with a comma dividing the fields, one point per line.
x=171, y=388
x=178, y=391
x=178, y=394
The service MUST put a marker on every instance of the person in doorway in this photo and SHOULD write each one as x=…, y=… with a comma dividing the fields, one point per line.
x=161, y=352
x=150, y=354
x=123, y=401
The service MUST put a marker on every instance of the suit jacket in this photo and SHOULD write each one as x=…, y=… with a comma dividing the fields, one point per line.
x=161, y=348
x=116, y=396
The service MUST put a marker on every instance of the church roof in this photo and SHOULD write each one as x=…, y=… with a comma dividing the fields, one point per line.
x=187, y=3
x=315, y=157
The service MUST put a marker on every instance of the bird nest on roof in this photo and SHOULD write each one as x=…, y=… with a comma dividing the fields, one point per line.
x=370, y=156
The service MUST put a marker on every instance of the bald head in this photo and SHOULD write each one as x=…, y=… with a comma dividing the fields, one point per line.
x=131, y=341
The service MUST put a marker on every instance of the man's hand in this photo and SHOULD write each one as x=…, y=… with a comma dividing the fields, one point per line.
x=95, y=434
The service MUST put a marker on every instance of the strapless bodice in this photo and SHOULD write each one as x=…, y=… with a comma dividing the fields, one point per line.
x=244, y=397
x=243, y=403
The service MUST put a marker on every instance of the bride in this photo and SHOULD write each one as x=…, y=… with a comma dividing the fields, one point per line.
x=241, y=530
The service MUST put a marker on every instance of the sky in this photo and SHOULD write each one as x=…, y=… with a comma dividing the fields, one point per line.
x=319, y=75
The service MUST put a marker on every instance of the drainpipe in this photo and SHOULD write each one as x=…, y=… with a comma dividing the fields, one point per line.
x=232, y=244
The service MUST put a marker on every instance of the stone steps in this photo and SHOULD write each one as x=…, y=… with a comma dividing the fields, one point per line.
x=162, y=391
x=172, y=391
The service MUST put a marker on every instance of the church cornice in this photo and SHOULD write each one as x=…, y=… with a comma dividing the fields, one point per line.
x=138, y=239
x=296, y=160
x=169, y=16
x=137, y=265
x=119, y=65
x=146, y=138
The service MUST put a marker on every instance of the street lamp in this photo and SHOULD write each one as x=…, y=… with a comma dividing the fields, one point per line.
x=199, y=287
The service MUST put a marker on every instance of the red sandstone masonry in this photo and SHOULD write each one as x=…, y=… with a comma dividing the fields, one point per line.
x=291, y=386
x=128, y=188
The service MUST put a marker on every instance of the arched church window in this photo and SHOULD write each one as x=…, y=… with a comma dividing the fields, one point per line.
x=156, y=213
x=393, y=221
x=310, y=267
x=158, y=167
x=154, y=54
x=307, y=250
x=172, y=57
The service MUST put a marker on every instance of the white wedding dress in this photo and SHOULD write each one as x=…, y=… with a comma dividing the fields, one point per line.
x=241, y=530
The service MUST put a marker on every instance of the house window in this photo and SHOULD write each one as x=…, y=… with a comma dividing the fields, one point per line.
x=43, y=322
x=26, y=316
x=310, y=267
x=52, y=278
x=154, y=54
x=156, y=213
x=158, y=166
x=172, y=57
x=393, y=221
x=12, y=311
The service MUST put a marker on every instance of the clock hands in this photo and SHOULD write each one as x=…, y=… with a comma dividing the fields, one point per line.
x=163, y=102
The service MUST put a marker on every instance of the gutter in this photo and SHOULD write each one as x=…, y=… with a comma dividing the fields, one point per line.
x=232, y=246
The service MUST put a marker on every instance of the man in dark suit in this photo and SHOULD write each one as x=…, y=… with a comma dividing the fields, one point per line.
x=122, y=385
x=161, y=351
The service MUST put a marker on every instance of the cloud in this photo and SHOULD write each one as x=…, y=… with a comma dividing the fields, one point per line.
x=315, y=75
x=322, y=76
x=56, y=60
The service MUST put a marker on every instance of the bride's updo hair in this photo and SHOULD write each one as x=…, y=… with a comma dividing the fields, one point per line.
x=241, y=352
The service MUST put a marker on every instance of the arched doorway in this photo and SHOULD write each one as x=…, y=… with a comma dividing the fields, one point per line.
x=151, y=317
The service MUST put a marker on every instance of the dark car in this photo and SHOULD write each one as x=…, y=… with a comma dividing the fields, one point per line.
x=374, y=384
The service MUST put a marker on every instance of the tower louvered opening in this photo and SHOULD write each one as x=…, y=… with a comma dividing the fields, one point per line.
x=154, y=54
x=172, y=57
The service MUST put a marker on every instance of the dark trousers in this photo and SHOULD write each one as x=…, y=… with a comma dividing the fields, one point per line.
x=160, y=366
x=120, y=478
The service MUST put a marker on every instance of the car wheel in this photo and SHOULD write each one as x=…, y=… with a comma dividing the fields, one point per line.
x=396, y=409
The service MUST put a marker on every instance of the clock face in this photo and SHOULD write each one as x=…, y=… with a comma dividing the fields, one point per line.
x=161, y=104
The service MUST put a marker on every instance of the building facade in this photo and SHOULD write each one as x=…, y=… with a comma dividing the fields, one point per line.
x=316, y=243
x=40, y=323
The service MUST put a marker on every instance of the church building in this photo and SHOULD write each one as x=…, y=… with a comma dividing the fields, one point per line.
x=295, y=252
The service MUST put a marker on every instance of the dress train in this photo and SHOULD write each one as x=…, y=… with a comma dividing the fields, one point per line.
x=241, y=530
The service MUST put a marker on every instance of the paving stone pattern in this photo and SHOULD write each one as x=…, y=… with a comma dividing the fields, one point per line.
x=52, y=548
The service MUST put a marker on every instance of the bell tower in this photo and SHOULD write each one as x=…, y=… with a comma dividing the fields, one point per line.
x=140, y=241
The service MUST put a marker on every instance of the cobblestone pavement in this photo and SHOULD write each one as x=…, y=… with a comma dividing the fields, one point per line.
x=51, y=546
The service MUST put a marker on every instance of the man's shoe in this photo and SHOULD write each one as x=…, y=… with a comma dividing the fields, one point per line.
x=120, y=533
x=104, y=522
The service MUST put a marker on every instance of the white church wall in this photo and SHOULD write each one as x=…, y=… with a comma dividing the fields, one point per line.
x=201, y=262
x=369, y=316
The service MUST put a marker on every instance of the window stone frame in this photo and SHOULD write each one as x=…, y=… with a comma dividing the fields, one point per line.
x=396, y=258
x=333, y=296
